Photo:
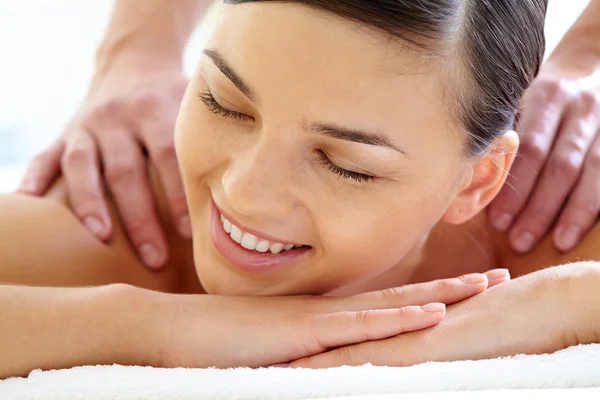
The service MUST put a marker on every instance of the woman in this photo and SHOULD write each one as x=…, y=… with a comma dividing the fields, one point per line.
x=326, y=147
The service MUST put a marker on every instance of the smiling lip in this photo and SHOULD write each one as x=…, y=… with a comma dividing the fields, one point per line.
x=249, y=260
x=258, y=234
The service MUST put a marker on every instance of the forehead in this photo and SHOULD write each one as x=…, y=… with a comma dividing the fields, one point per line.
x=292, y=54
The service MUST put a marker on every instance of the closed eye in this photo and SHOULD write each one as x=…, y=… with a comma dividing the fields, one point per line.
x=213, y=106
x=344, y=173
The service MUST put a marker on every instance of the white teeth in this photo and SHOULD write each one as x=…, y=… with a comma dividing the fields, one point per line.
x=263, y=246
x=227, y=226
x=249, y=241
x=276, y=248
x=236, y=234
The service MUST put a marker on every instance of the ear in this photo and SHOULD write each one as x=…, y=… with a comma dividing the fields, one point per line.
x=485, y=178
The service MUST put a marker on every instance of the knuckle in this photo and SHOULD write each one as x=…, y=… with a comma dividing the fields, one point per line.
x=444, y=285
x=146, y=104
x=589, y=100
x=576, y=143
x=535, y=147
x=587, y=208
x=593, y=158
x=164, y=151
x=78, y=155
x=550, y=88
x=364, y=318
x=392, y=295
x=120, y=171
x=565, y=165
x=105, y=111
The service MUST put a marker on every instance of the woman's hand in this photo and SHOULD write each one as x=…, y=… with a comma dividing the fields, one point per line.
x=554, y=182
x=539, y=313
x=130, y=109
x=217, y=331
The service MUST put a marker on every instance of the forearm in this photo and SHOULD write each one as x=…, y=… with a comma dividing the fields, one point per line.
x=55, y=328
x=149, y=28
x=583, y=38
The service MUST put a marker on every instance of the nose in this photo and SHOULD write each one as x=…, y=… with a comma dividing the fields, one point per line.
x=259, y=182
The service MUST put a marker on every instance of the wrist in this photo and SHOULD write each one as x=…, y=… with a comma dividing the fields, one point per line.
x=129, y=321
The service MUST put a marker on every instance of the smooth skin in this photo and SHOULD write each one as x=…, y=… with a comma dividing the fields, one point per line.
x=138, y=86
x=262, y=167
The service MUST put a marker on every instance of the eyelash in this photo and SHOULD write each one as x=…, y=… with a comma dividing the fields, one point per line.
x=344, y=173
x=213, y=106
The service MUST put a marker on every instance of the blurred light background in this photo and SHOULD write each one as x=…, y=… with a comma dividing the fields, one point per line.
x=47, y=53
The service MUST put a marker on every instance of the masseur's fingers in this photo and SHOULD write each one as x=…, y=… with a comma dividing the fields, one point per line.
x=157, y=133
x=81, y=169
x=561, y=172
x=542, y=109
x=126, y=174
x=583, y=207
x=447, y=291
x=42, y=170
x=344, y=328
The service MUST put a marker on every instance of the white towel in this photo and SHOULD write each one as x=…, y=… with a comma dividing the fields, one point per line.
x=576, y=367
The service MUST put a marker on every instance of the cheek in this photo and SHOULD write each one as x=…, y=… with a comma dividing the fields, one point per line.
x=197, y=144
x=368, y=240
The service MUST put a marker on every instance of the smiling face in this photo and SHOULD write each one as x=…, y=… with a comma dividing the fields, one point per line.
x=302, y=128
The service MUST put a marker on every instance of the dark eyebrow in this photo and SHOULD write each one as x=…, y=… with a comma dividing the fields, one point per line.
x=229, y=72
x=356, y=135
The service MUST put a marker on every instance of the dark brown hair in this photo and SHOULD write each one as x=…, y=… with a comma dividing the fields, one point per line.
x=499, y=45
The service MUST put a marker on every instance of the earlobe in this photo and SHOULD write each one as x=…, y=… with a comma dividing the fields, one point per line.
x=485, y=179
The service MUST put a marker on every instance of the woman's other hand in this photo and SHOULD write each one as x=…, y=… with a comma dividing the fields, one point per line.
x=207, y=330
x=542, y=312
x=130, y=110
x=554, y=183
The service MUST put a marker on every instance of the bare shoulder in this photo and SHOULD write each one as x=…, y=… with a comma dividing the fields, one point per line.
x=42, y=243
x=545, y=254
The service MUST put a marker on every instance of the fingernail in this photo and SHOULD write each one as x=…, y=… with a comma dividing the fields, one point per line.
x=472, y=279
x=567, y=237
x=502, y=221
x=523, y=242
x=94, y=225
x=150, y=255
x=27, y=187
x=185, y=227
x=498, y=274
x=434, y=307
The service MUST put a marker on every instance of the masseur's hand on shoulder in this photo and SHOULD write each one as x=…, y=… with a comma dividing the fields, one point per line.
x=126, y=120
x=539, y=313
x=227, y=331
x=555, y=182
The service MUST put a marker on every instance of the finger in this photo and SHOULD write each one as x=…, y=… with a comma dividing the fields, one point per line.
x=537, y=129
x=344, y=328
x=497, y=276
x=42, y=170
x=81, y=171
x=355, y=355
x=161, y=147
x=583, y=207
x=126, y=174
x=447, y=291
x=560, y=174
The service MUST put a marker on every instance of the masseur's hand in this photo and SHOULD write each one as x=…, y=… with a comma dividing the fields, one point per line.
x=130, y=110
x=208, y=330
x=539, y=313
x=555, y=181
